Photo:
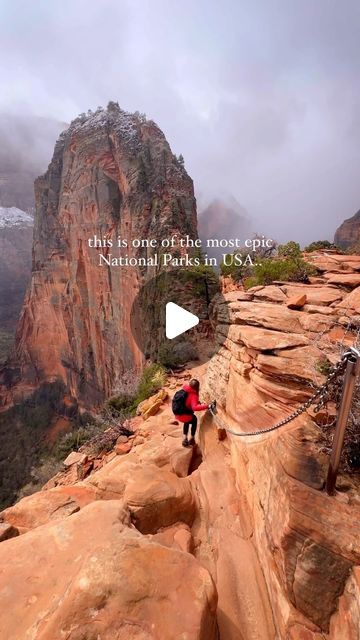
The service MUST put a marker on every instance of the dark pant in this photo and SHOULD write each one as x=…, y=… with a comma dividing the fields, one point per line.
x=193, y=424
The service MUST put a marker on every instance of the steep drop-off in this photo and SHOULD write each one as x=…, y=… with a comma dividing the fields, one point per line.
x=112, y=175
x=246, y=527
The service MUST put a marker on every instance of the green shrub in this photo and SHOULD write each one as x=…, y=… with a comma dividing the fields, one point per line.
x=289, y=250
x=319, y=244
x=204, y=282
x=288, y=270
x=152, y=380
x=323, y=366
x=236, y=272
x=122, y=403
x=73, y=440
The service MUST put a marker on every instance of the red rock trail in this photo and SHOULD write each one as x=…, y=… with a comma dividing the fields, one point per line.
x=223, y=538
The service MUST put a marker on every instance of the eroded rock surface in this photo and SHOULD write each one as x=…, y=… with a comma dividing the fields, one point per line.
x=112, y=176
x=239, y=542
x=307, y=542
x=91, y=575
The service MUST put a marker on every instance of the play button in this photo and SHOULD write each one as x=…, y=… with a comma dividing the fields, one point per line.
x=178, y=320
x=175, y=333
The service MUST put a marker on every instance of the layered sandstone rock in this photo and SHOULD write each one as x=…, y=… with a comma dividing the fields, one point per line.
x=92, y=575
x=111, y=556
x=349, y=232
x=245, y=526
x=112, y=176
x=307, y=542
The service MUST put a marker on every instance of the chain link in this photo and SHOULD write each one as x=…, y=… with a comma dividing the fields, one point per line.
x=321, y=394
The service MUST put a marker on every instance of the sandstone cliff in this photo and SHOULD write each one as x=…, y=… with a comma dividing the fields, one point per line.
x=112, y=175
x=348, y=233
x=273, y=357
x=244, y=524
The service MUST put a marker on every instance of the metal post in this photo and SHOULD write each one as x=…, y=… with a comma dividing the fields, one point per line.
x=351, y=373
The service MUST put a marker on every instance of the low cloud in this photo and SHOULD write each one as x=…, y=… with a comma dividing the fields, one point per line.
x=262, y=99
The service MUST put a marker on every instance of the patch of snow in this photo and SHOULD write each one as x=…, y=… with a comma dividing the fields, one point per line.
x=14, y=217
x=123, y=123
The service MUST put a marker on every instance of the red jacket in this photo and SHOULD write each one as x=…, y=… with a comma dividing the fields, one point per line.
x=192, y=403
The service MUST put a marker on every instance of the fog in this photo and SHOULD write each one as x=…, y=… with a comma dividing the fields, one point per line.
x=262, y=98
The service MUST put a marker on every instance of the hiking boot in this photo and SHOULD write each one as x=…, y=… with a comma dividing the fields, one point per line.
x=191, y=442
x=185, y=442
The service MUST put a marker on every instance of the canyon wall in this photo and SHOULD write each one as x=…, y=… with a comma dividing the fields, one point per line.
x=112, y=175
x=235, y=539
x=274, y=355
x=348, y=233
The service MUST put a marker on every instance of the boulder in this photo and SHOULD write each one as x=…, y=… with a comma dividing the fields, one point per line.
x=75, y=457
x=45, y=506
x=158, y=498
x=91, y=576
x=151, y=406
x=123, y=448
x=296, y=302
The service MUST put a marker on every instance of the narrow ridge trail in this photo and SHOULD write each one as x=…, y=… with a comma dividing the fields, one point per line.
x=223, y=544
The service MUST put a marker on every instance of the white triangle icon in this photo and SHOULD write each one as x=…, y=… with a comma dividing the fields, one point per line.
x=178, y=320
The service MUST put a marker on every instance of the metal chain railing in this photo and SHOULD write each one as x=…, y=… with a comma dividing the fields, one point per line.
x=321, y=394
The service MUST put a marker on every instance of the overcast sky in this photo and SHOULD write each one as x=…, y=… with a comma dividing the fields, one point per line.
x=262, y=97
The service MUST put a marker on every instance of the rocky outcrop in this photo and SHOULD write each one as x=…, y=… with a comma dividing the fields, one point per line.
x=112, y=176
x=119, y=584
x=264, y=553
x=348, y=233
x=112, y=555
x=307, y=542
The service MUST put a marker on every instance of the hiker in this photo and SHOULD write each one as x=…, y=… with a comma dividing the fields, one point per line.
x=185, y=402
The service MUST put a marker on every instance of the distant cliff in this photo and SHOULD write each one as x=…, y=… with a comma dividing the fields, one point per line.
x=223, y=219
x=348, y=233
x=112, y=175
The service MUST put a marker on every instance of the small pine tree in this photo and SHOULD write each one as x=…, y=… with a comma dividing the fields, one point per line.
x=289, y=250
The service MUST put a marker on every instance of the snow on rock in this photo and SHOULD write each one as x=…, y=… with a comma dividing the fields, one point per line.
x=12, y=216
